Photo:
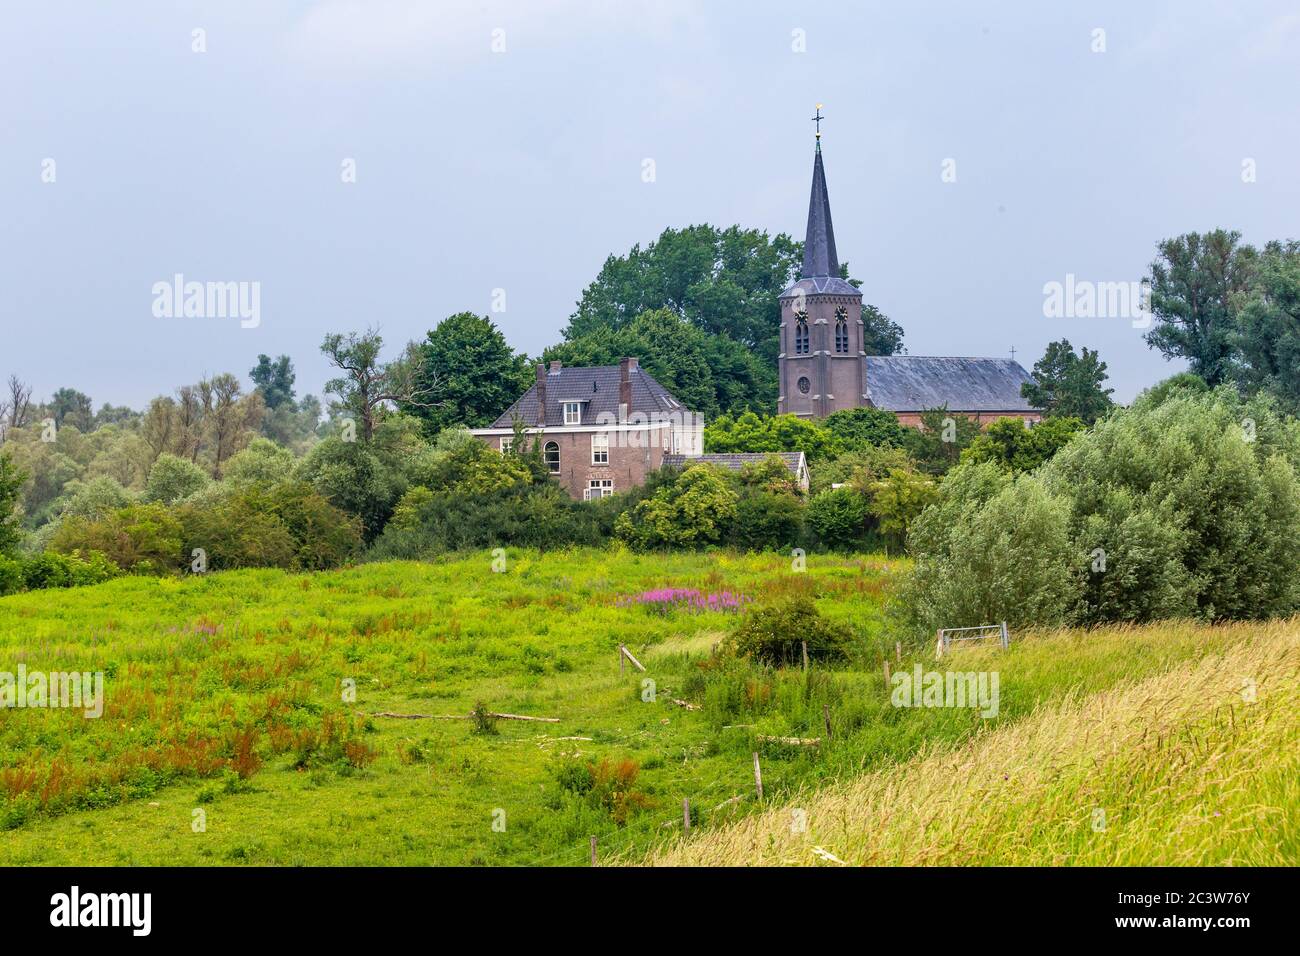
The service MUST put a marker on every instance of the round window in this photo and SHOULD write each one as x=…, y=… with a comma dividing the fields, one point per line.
x=804, y=385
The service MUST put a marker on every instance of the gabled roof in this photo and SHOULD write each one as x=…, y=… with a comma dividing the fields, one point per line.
x=597, y=388
x=913, y=383
x=735, y=461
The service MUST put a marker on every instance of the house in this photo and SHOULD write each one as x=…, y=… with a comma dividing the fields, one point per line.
x=825, y=368
x=603, y=429
x=795, y=462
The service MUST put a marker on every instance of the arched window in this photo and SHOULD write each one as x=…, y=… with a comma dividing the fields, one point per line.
x=801, y=334
x=841, y=331
x=552, y=455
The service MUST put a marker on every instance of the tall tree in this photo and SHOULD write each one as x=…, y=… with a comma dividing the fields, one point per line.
x=274, y=380
x=19, y=404
x=368, y=385
x=467, y=359
x=1067, y=384
x=230, y=416
x=1268, y=336
x=71, y=407
x=1198, y=286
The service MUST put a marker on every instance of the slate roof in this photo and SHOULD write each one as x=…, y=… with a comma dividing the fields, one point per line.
x=819, y=258
x=597, y=388
x=913, y=383
x=735, y=461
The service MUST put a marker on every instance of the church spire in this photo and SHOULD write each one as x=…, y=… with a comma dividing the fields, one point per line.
x=819, y=257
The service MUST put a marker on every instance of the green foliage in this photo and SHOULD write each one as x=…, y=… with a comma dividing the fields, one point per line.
x=775, y=635
x=695, y=509
x=857, y=429
x=144, y=538
x=859, y=468
x=355, y=478
x=767, y=521
x=1198, y=284
x=1016, y=447
x=1268, y=328
x=474, y=372
x=754, y=433
x=709, y=374
x=1009, y=558
x=12, y=479
x=937, y=445
x=94, y=498
x=172, y=478
x=898, y=498
x=839, y=517
x=274, y=380
x=262, y=462
x=1069, y=385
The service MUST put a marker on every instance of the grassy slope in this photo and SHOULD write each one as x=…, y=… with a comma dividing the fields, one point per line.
x=1184, y=768
x=191, y=661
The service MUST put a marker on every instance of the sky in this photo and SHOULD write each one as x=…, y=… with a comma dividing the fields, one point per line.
x=392, y=162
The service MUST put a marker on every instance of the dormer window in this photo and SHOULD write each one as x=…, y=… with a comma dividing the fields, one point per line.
x=573, y=413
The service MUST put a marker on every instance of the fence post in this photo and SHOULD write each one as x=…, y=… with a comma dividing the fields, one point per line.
x=686, y=815
x=1006, y=640
x=938, y=648
x=805, y=654
x=593, y=849
x=621, y=664
x=898, y=651
x=758, y=777
x=826, y=716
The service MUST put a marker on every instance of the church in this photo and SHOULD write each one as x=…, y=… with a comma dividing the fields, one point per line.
x=824, y=367
x=606, y=428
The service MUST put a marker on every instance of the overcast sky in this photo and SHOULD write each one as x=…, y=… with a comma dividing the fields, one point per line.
x=522, y=170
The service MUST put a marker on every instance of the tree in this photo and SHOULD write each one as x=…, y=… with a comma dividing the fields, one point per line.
x=1268, y=335
x=368, y=386
x=172, y=478
x=230, y=416
x=1197, y=288
x=1010, y=444
x=859, y=428
x=1069, y=385
x=466, y=358
x=709, y=374
x=12, y=479
x=274, y=380
x=937, y=445
x=753, y=433
x=18, y=405
x=71, y=407
x=695, y=509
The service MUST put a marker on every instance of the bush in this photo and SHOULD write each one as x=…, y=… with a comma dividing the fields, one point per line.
x=1011, y=444
x=767, y=522
x=12, y=578
x=860, y=428
x=898, y=498
x=141, y=538
x=775, y=635
x=695, y=509
x=839, y=518
x=172, y=478
x=52, y=570
x=353, y=477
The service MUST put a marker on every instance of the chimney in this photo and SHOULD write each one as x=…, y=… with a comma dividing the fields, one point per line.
x=541, y=394
x=625, y=368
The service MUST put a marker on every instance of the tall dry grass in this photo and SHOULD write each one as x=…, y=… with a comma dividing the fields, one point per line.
x=1177, y=769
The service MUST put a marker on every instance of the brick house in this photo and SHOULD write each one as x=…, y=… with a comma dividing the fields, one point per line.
x=603, y=429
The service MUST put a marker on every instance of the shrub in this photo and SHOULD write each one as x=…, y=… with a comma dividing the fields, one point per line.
x=897, y=500
x=353, y=477
x=12, y=578
x=767, y=522
x=861, y=428
x=695, y=509
x=263, y=462
x=142, y=538
x=775, y=635
x=839, y=517
x=1017, y=448
x=53, y=570
x=172, y=478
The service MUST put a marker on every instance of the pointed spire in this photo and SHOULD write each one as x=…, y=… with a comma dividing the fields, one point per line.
x=819, y=257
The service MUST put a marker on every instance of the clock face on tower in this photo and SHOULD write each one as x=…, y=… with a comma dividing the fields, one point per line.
x=804, y=384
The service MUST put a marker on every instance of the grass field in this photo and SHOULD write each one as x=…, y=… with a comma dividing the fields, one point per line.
x=229, y=694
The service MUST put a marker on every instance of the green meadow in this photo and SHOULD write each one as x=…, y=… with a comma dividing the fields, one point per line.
x=242, y=710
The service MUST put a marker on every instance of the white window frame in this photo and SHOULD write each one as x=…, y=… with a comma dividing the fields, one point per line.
x=603, y=486
x=506, y=444
x=600, y=448
x=576, y=411
x=546, y=456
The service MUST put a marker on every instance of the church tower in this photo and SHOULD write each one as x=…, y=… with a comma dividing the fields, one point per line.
x=821, y=359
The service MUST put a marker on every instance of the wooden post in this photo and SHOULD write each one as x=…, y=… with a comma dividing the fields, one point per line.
x=826, y=715
x=938, y=648
x=805, y=654
x=620, y=660
x=593, y=849
x=686, y=815
x=886, y=675
x=898, y=651
x=758, y=777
